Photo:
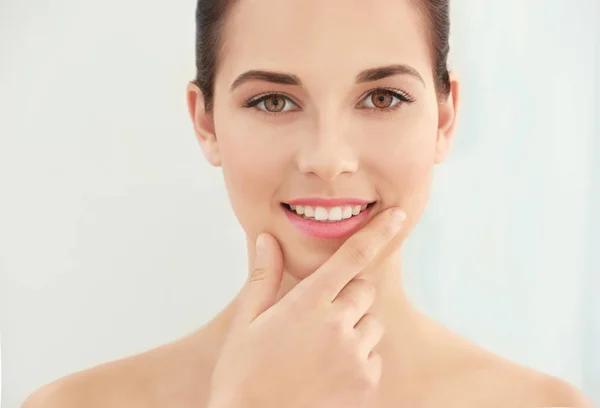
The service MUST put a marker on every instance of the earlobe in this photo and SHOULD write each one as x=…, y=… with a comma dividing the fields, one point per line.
x=203, y=124
x=447, y=120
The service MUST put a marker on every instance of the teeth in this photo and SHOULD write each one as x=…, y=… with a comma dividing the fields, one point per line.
x=335, y=214
x=321, y=214
x=328, y=214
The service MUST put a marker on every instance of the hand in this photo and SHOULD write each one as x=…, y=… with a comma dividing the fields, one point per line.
x=313, y=348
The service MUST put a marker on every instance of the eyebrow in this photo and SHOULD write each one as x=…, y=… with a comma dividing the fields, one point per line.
x=368, y=75
x=374, y=74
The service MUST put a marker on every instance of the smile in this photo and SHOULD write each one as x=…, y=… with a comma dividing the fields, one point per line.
x=326, y=214
x=328, y=218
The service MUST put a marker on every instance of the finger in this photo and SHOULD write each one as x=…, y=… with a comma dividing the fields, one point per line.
x=353, y=256
x=264, y=281
x=355, y=300
x=369, y=331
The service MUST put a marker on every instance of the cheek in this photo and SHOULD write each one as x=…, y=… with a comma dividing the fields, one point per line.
x=407, y=181
x=403, y=161
x=252, y=172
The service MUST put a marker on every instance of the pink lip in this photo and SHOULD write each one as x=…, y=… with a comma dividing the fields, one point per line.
x=328, y=202
x=329, y=230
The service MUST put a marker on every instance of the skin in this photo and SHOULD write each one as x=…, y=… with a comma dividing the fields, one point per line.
x=329, y=143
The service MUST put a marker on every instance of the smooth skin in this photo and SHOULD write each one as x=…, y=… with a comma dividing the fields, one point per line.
x=320, y=322
x=317, y=346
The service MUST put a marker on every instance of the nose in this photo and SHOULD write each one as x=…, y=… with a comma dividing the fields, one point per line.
x=327, y=155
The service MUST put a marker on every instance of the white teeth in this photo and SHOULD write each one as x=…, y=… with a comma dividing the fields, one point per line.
x=321, y=214
x=335, y=214
x=347, y=212
x=328, y=214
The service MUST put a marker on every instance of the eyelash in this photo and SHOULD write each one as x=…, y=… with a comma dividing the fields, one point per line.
x=403, y=97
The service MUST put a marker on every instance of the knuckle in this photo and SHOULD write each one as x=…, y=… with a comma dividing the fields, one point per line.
x=385, y=230
x=359, y=254
x=258, y=275
x=351, y=307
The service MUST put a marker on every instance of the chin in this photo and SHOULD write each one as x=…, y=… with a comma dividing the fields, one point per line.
x=300, y=261
x=301, y=270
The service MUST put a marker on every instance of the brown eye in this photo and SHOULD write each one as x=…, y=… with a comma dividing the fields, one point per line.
x=275, y=103
x=272, y=103
x=382, y=99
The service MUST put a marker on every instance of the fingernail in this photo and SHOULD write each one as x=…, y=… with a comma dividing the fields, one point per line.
x=398, y=216
x=261, y=245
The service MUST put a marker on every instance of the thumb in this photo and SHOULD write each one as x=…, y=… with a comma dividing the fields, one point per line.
x=264, y=280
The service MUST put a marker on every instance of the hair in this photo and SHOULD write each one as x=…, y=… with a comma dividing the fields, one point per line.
x=211, y=16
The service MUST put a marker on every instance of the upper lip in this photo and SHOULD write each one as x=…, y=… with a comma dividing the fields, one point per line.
x=328, y=202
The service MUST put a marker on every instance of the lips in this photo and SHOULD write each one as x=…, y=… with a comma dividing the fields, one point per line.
x=328, y=218
x=326, y=214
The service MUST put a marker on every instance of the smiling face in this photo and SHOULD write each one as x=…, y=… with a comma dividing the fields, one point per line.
x=329, y=100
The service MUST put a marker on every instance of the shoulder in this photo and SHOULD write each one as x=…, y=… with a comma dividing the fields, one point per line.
x=526, y=388
x=549, y=391
x=169, y=374
x=110, y=384
x=492, y=380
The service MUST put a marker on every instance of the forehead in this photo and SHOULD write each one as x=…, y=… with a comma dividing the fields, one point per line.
x=323, y=38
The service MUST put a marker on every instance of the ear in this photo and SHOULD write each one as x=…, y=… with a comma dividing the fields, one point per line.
x=447, y=110
x=203, y=124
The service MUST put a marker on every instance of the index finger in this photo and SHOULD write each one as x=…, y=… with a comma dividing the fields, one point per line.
x=354, y=255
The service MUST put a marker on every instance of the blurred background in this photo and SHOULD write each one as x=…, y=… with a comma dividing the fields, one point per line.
x=115, y=235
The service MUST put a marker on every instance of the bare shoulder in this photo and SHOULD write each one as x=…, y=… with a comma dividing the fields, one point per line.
x=524, y=387
x=549, y=391
x=478, y=377
x=158, y=377
x=81, y=388
x=117, y=383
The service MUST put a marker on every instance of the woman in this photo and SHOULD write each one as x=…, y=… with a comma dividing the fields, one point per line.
x=325, y=116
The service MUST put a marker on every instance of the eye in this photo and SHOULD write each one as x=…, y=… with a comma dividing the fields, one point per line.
x=384, y=99
x=272, y=103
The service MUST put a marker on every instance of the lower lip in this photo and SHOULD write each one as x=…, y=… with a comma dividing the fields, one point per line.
x=328, y=229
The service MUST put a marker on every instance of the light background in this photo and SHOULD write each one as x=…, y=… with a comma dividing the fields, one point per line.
x=116, y=236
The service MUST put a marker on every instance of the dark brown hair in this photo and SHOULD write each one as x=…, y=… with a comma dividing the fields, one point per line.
x=211, y=15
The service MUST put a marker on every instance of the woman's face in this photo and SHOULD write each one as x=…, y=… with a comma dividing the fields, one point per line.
x=344, y=107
